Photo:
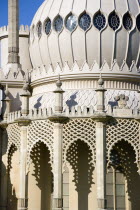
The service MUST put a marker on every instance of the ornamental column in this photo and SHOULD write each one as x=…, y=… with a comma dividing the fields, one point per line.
x=13, y=31
x=23, y=122
x=58, y=118
x=101, y=117
x=6, y=104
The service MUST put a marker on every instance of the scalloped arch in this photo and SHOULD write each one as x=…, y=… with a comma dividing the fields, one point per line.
x=123, y=129
x=79, y=129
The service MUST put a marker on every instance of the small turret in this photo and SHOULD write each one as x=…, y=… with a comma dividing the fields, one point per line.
x=25, y=99
x=58, y=97
x=100, y=95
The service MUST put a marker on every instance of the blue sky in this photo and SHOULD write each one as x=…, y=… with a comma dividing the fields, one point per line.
x=27, y=11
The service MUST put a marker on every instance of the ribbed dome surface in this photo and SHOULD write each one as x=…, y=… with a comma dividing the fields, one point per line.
x=121, y=42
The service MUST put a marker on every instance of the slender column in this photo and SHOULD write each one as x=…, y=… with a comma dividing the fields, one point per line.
x=22, y=203
x=13, y=27
x=24, y=122
x=101, y=164
x=58, y=131
x=58, y=118
x=100, y=117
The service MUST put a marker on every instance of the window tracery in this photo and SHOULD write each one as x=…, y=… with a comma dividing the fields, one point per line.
x=48, y=26
x=99, y=21
x=85, y=21
x=58, y=23
x=83, y=129
x=71, y=22
x=114, y=21
x=127, y=22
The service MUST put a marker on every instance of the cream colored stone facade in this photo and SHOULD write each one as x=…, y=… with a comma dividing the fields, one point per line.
x=70, y=110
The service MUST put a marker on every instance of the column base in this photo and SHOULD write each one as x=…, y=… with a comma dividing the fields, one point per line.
x=102, y=204
x=57, y=204
x=22, y=204
x=57, y=209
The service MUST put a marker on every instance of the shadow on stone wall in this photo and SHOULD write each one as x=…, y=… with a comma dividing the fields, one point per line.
x=72, y=101
x=79, y=156
x=42, y=172
x=12, y=199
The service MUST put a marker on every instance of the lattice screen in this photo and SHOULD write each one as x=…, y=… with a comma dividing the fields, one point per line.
x=13, y=132
x=79, y=129
x=123, y=129
x=40, y=130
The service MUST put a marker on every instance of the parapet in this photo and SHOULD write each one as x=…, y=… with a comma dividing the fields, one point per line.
x=23, y=31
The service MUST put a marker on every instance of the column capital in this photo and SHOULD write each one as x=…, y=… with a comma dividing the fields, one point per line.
x=137, y=119
x=58, y=118
x=3, y=124
x=101, y=117
x=23, y=121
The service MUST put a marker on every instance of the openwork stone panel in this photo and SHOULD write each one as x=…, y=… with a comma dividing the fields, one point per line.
x=123, y=129
x=79, y=129
x=13, y=132
x=40, y=131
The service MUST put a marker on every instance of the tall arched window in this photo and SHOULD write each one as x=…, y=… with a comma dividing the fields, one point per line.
x=115, y=183
x=115, y=186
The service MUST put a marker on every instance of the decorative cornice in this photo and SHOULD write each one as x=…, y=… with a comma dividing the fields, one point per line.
x=23, y=31
x=42, y=73
x=101, y=117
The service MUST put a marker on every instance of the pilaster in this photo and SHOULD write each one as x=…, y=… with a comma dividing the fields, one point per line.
x=23, y=199
x=101, y=118
x=59, y=119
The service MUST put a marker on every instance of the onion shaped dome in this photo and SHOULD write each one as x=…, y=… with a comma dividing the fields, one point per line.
x=86, y=31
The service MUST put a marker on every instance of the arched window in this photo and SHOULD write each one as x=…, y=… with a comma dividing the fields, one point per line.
x=99, y=21
x=85, y=21
x=115, y=184
x=39, y=29
x=58, y=23
x=127, y=22
x=114, y=21
x=138, y=22
x=115, y=190
x=71, y=22
x=48, y=26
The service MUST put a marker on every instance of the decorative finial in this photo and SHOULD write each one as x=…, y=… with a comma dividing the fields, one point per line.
x=59, y=83
x=6, y=90
x=100, y=81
